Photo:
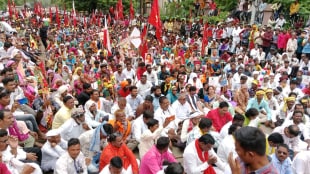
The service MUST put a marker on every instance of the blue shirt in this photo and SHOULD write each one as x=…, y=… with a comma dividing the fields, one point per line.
x=284, y=167
x=262, y=105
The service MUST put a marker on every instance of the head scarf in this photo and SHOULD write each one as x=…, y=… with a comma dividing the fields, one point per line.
x=88, y=104
x=9, y=63
x=288, y=99
x=260, y=92
x=76, y=70
x=95, y=140
x=62, y=89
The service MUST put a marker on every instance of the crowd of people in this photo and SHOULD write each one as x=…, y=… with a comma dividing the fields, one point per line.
x=69, y=104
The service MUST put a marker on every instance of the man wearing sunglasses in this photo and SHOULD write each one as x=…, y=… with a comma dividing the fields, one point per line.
x=280, y=159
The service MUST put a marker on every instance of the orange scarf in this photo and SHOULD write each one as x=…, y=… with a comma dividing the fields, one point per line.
x=203, y=156
x=121, y=130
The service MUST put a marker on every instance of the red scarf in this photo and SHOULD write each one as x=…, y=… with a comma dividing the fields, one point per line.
x=203, y=156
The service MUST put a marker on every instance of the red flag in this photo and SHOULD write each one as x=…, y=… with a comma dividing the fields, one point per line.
x=120, y=9
x=93, y=18
x=143, y=47
x=204, y=39
x=154, y=19
x=66, y=19
x=106, y=38
x=131, y=11
x=51, y=14
x=99, y=21
x=109, y=19
x=10, y=8
x=57, y=17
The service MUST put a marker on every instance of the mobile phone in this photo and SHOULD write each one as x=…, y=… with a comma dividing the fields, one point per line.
x=22, y=101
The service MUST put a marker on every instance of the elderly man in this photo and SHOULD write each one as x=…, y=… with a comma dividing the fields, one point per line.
x=122, y=105
x=75, y=126
x=54, y=147
x=182, y=107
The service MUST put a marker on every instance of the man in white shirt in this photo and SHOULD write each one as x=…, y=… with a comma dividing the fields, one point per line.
x=75, y=126
x=5, y=54
x=237, y=119
x=166, y=111
x=134, y=99
x=301, y=163
x=54, y=147
x=139, y=124
x=119, y=75
x=199, y=156
x=122, y=104
x=151, y=75
x=290, y=137
x=129, y=72
x=103, y=104
x=182, y=107
x=115, y=167
x=144, y=86
x=228, y=144
x=293, y=88
x=73, y=161
x=12, y=155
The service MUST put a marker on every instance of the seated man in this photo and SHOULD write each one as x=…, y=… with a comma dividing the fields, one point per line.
x=140, y=125
x=116, y=147
x=204, y=127
x=73, y=161
x=123, y=126
x=75, y=126
x=281, y=159
x=150, y=136
x=290, y=137
x=220, y=116
x=12, y=156
x=199, y=156
x=152, y=161
x=93, y=141
x=64, y=113
x=115, y=167
x=182, y=107
x=54, y=147
x=122, y=105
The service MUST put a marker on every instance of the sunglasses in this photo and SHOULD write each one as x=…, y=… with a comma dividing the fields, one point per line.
x=280, y=152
